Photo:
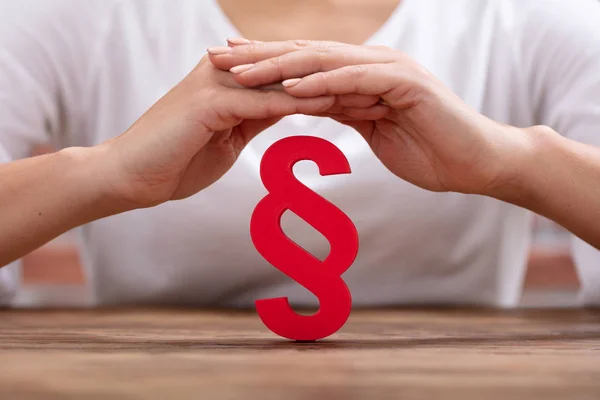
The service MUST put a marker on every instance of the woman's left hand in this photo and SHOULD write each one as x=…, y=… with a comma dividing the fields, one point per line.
x=419, y=129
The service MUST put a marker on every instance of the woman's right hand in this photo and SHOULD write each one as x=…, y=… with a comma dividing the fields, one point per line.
x=193, y=135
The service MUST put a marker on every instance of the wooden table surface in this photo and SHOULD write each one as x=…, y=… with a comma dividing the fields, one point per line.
x=179, y=354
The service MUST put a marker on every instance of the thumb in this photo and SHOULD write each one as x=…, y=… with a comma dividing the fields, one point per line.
x=256, y=104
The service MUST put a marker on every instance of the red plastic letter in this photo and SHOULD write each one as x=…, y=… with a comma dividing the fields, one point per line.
x=322, y=278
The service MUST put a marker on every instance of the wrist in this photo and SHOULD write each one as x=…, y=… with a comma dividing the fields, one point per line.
x=90, y=178
x=527, y=166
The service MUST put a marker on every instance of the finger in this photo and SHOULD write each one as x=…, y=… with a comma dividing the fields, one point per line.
x=397, y=87
x=242, y=104
x=309, y=61
x=227, y=80
x=373, y=113
x=371, y=80
x=341, y=101
x=260, y=105
x=254, y=52
x=356, y=100
x=240, y=41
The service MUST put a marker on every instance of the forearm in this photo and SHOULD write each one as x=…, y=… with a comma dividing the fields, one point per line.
x=559, y=179
x=43, y=197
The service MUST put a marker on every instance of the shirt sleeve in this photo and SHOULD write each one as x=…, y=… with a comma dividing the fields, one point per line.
x=561, y=54
x=45, y=52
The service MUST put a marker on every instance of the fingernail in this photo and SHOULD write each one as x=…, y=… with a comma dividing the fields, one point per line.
x=241, y=68
x=291, y=82
x=238, y=41
x=217, y=51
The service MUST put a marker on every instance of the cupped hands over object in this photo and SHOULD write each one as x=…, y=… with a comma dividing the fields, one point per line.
x=420, y=130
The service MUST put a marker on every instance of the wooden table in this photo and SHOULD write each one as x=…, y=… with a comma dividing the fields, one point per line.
x=179, y=354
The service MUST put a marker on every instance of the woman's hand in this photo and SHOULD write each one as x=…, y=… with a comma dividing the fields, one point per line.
x=417, y=127
x=181, y=145
x=193, y=135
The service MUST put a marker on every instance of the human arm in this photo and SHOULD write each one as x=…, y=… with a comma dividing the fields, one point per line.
x=44, y=55
x=185, y=142
x=560, y=50
x=426, y=135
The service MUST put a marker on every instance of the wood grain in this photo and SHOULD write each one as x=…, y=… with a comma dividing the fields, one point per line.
x=412, y=354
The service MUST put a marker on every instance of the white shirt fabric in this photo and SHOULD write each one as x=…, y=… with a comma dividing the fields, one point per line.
x=75, y=73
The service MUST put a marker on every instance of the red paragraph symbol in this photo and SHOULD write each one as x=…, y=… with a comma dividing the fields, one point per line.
x=322, y=278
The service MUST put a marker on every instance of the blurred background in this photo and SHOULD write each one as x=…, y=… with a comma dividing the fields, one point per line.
x=53, y=276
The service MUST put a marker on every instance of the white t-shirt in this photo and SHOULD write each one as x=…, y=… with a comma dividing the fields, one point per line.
x=75, y=73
